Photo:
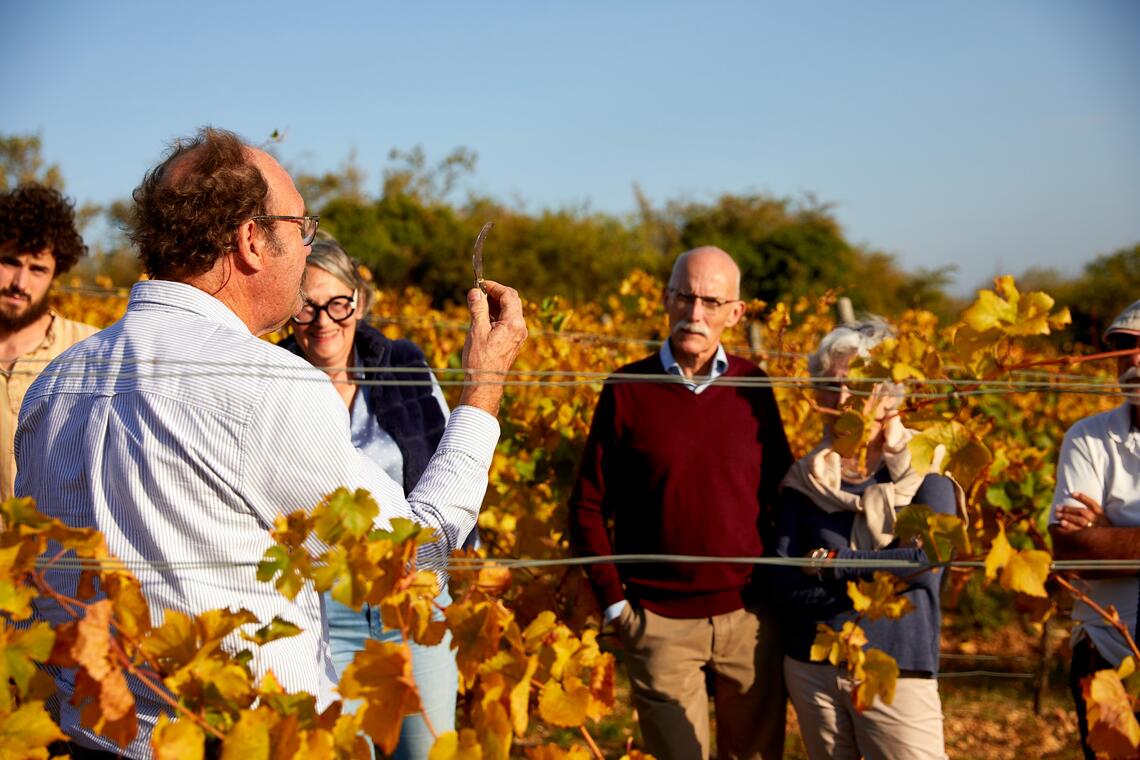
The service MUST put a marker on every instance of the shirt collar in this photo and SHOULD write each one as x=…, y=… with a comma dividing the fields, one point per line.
x=167, y=294
x=669, y=362
x=1120, y=426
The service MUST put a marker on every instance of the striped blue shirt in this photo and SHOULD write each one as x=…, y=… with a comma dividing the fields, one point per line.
x=181, y=437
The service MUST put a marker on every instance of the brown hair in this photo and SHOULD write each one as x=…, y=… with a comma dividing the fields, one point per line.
x=37, y=217
x=188, y=208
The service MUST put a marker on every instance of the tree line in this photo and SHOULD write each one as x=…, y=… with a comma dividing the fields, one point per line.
x=415, y=229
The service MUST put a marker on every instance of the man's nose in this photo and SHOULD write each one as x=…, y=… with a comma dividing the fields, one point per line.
x=18, y=276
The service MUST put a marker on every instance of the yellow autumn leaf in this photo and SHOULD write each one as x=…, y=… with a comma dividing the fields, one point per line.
x=249, y=738
x=564, y=707
x=879, y=597
x=1112, y=725
x=847, y=433
x=27, y=731
x=381, y=675
x=20, y=650
x=1026, y=572
x=998, y=555
x=880, y=675
x=177, y=740
x=451, y=745
x=520, y=697
x=826, y=645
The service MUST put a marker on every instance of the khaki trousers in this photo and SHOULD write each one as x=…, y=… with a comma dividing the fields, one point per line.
x=908, y=728
x=665, y=658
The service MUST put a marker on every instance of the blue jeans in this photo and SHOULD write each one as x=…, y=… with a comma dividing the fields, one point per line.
x=434, y=669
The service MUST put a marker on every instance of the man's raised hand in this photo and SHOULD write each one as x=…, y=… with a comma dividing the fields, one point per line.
x=497, y=332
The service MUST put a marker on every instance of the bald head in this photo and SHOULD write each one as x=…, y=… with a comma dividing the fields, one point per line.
x=709, y=264
x=703, y=299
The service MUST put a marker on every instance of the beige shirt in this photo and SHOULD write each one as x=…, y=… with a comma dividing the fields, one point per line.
x=61, y=335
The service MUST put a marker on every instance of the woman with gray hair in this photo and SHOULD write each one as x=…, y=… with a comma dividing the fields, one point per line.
x=834, y=507
x=396, y=425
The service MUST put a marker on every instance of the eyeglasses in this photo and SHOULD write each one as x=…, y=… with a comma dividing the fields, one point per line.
x=689, y=299
x=338, y=309
x=1122, y=341
x=308, y=224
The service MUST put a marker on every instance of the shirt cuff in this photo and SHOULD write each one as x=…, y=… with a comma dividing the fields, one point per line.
x=613, y=612
x=473, y=431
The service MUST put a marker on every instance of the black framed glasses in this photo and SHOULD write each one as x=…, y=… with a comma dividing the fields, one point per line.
x=690, y=299
x=308, y=224
x=339, y=309
x=1122, y=341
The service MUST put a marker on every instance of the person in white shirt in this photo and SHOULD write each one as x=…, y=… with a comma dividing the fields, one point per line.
x=1096, y=515
x=181, y=435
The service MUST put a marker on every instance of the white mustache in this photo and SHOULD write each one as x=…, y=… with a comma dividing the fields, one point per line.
x=1131, y=393
x=1132, y=373
x=685, y=324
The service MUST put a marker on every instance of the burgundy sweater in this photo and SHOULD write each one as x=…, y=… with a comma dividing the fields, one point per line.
x=679, y=473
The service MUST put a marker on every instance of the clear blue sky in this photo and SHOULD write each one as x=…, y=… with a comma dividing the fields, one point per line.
x=990, y=135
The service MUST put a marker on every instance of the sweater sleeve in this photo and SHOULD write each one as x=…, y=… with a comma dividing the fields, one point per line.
x=589, y=508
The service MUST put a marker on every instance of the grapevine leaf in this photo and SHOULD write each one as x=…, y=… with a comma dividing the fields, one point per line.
x=477, y=629
x=290, y=568
x=940, y=534
x=132, y=613
x=880, y=597
x=215, y=625
x=1026, y=572
x=565, y=707
x=826, y=644
x=847, y=433
x=880, y=675
x=997, y=497
x=381, y=675
x=250, y=736
x=177, y=740
x=520, y=697
x=110, y=709
x=16, y=595
x=301, y=705
x=347, y=574
x=450, y=745
x=998, y=555
x=493, y=580
x=1112, y=725
x=174, y=643
x=16, y=598
x=990, y=311
x=491, y=720
x=20, y=651
x=277, y=629
x=27, y=732
x=344, y=513
x=969, y=462
x=413, y=606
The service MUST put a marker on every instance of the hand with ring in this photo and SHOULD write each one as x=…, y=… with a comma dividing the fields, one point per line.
x=1076, y=517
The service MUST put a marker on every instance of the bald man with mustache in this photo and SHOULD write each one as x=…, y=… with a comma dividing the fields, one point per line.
x=689, y=463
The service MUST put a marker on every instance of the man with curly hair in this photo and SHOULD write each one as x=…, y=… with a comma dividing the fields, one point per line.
x=39, y=243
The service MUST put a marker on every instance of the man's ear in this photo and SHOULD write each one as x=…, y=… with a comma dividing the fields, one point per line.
x=735, y=314
x=252, y=246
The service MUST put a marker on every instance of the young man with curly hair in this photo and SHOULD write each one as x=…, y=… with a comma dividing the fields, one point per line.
x=38, y=242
